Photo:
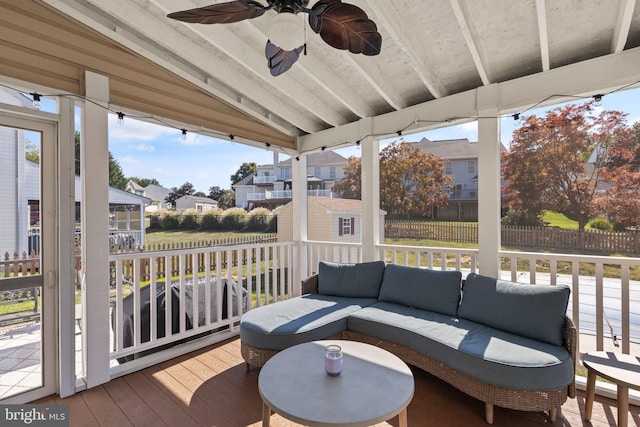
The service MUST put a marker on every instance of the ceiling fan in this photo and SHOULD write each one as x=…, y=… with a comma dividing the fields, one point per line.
x=341, y=25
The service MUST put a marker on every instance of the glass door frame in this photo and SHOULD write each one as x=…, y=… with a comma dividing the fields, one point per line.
x=47, y=279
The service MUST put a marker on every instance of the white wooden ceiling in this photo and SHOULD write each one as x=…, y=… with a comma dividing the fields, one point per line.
x=431, y=49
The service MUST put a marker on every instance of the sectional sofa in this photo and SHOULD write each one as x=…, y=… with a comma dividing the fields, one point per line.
x=504, y=343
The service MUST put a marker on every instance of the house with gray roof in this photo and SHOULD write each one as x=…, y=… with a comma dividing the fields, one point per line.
x=155, y=193
x=270, y=185
x=461, y=156
x=201, y=204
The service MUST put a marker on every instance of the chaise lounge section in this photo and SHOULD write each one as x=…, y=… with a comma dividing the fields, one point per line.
x=504, y=343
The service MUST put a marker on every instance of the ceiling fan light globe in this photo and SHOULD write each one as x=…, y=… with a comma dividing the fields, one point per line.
x=286, y=30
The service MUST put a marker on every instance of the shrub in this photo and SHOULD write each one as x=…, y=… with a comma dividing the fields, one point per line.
x=170, y=220
x=211, y=219
x=154, y=221
x=619, y=227
x=259, y=219
x=234, y=219
x=601, y=224
x=521, y=217
x=190, y=220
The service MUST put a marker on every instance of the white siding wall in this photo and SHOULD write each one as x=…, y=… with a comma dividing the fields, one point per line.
x=241, y=196
x=461, y=174
x=319, y=221
x=285, y=223
x=8, y=180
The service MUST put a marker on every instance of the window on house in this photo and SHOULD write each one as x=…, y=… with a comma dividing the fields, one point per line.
x=199, y=208
x=332, y=172
x=448, y=169
x=285, y=173
x=471, y=166
x=346, y=226
x=316, y=172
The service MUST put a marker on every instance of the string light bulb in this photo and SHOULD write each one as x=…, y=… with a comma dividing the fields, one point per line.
x=516, y=117
x=597, y=99
x=36, y=100
x=184, y=134
x=120, y=117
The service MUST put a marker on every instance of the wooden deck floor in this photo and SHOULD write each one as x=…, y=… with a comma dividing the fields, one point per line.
x=211, y=388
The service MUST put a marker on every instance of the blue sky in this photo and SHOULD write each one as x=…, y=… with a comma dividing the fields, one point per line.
x=148, y=150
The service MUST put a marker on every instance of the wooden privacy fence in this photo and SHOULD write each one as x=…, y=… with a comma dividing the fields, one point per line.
x=435, y=230
x=544, y=237
x=593, y=240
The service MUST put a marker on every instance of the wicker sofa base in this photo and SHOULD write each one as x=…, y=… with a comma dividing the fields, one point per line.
x=522, y=400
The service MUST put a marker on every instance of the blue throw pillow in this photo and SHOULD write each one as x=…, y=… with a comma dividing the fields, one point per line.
x=533, y=311
x=432, y=290
x=350, y=280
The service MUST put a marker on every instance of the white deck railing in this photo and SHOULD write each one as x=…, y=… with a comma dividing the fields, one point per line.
x=605, y=298
x=604, y=303
x=262, y=269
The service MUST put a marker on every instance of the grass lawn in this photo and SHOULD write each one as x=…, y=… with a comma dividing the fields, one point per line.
x=555, y=219
x=155, y=237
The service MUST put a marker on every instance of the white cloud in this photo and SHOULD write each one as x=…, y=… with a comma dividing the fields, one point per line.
x=136, y=130
x=128, y=160
x=142, y=147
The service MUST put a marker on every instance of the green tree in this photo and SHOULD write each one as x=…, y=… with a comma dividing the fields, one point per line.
x=546, y=167
x=243, y=171
x=227, y=200
x=185, y=189
x=32, y=152
x=144, y=182
x=215, y=192
x=350, y=186
x=620, y=201
x=411, y=180
x=116, y=176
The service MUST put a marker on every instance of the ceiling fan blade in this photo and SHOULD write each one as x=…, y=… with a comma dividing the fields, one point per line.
x=280, y=60
x=345, y=26
x=221, y=13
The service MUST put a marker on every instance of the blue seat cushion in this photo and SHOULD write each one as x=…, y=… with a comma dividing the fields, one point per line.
x=431, y=290
x=490, y=355
x=350, y=280
x=534, y=311
x=297, y=320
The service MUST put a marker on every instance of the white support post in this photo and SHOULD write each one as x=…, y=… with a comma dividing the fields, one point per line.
x=489, y=238
x=300, y=221
x=66, y=249
x=94, y=154
x=370, y=169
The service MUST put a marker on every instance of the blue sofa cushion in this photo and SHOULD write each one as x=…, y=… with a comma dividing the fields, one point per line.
x=533, y=311
x=294, y=321
x=432, y=290
x=350, y=280
x=490, y=355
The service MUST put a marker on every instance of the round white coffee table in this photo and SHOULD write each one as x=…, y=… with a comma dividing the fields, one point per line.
x=373, y=387
x=621, y=369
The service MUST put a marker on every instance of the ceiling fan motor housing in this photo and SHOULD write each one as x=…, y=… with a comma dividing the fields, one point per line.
x=291, y=6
